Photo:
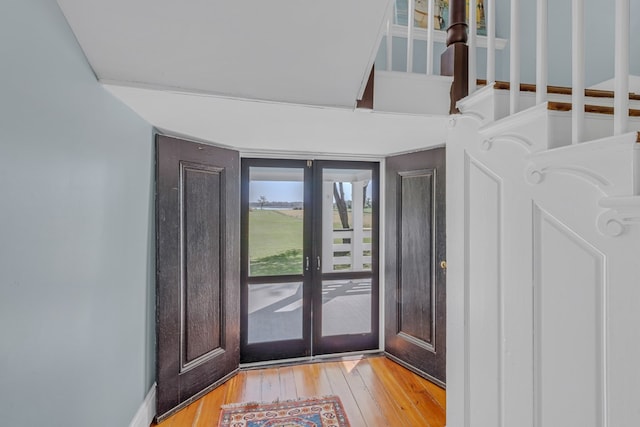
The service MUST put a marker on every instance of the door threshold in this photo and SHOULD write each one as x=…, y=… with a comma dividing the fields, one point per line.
x=355, y=355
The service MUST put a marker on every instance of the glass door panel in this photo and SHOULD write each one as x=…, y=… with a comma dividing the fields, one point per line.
x=347, y=218
x=346, y=289
x=276, y=213
x=309, y=258
x=346, y=307
x=276, y=310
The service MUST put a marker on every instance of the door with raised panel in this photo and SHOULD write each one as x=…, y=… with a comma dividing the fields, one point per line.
x=197, y=270
x=415, y=274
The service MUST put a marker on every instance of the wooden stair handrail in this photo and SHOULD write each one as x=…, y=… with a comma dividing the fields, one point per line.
x=597, y=109
x=558, y=90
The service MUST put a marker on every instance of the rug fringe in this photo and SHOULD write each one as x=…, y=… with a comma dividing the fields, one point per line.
x=299, y=399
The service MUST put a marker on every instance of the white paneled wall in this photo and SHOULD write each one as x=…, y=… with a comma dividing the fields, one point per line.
x=543, y=278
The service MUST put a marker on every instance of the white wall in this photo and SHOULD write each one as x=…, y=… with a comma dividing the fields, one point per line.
x=76, y=233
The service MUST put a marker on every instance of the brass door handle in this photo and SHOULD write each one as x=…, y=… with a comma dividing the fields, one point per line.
x=443, y=265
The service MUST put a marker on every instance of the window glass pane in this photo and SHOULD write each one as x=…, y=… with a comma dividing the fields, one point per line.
x=347, y=220
x=346, y=307
x=275, y=312
x=401, y=12
x=276, y=211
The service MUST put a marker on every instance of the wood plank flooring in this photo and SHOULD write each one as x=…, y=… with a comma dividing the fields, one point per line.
x=375, y=391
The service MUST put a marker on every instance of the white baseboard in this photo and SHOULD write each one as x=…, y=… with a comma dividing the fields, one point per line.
x=146, y=411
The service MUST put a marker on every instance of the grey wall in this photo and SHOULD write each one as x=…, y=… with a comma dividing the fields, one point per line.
x=76, y=234
x=599, y=41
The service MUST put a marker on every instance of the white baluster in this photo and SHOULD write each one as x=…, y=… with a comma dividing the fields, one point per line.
x=490, y=19
x=327, y=224
x=410, y=12
x=542, y=43
x=389, y=35
x=389, y=38
x=357, y=239
x=430, y=20
x=473, y=35
x=514, y=70
x=621, y=100
x=577, y=71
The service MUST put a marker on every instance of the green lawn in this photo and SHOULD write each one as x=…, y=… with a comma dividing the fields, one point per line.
x=275, y=243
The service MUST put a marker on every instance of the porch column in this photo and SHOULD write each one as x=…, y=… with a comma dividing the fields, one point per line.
x=455, y=59
x=357, y=209
x=327, y=226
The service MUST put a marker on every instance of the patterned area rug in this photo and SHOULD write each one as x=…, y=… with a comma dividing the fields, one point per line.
x=314, y=412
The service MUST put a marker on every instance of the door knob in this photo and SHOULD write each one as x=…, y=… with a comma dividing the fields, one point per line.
x=443, y=265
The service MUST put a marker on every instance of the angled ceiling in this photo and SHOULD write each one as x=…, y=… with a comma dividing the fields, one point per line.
x=294, y=51
x=279, y=129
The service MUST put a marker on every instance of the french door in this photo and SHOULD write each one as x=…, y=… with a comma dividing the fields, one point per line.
x=304, y=271
x=309, y=258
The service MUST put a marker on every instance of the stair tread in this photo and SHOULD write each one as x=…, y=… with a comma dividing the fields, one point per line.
x=558, y=90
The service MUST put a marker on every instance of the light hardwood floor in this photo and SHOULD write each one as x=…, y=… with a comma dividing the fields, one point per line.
x=374, y=391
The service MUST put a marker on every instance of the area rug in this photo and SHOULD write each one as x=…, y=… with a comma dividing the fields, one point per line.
x=314, y=412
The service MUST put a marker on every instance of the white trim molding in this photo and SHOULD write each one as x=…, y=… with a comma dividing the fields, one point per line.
x=146, y=411
x=622, y=212
x=486, y=144
x=535, y=174
x=607, y=164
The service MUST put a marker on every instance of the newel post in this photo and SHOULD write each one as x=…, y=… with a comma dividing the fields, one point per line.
x=455, y=59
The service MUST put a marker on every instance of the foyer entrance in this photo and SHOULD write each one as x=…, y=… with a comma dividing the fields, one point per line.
x=309, y=258
x=305, y=279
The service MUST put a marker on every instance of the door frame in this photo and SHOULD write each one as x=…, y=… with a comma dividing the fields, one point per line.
x=312, y=343
x=288, y=349
x=348, y=343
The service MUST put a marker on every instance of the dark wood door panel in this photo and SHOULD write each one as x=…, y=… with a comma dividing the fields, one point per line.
x=198, y=299
x=415, y=264
x=200, y=249
x=415, y=289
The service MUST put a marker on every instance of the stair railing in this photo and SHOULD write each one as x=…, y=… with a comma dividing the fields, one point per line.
x=391, y=18
x=621, y=75
x=490, y=22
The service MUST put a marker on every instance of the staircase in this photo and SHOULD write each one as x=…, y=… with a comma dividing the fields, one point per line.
x=543, y=236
